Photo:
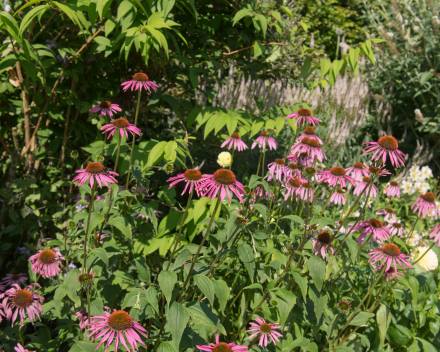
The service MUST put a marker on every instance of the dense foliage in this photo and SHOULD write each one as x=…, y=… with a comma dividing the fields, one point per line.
x=112, y=196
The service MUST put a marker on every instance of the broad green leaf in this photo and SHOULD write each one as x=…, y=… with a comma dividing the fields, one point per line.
x=202, y=314
x=317, y=271
x=156, y=154
x=101, y=254
x=200, y=209
x=177, y=318
x=325, y=65
x=72, y=285
x=166, y=346
x=361, y=318
x=96, y=307
x=254, y=286
x=302, y=283
x=398, y=334
x=383, y=318
x=27, y=19
x=143, y=270
x=414, y=286
x=206, y=286
x=167, y=280
x=151, y=295
x=95, y=220
x=258, y=49
x=427, y=346
x=122, y=225
x=182, y=258
x=123, y=8
x=353, y=248
x=294, y=218
x=102, y=6
x=240, y=14
x=222, y=293
x=262, y=210
x=246, y=255
x=285, y=302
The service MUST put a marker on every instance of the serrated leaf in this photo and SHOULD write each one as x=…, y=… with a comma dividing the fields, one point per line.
x=183, y=257
x=361, y=318
x=151, y=295
x=122, y=225
x=72, y=285
x=201, y=314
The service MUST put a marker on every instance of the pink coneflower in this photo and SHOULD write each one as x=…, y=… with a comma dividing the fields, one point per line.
x=222, y=347
x=392, y=189
x=261, y=141
x=277, y=169
x=293, y=186
x=435, y=233
x=115, y=326
x=222, y=181
x=390, y=274
x=46, y=262
x=425, y=203
x=123, y=126
x=389, y=254
x=2, y=288
x=265, y=329
x=374, y=226
x=24, y=301
x=20, y=348
x=304, y=115
x=315, y=151
x=139, y=81
x=390, y=216
x=338, y=197
x=357, y=171
x=306, y=192
x=83, y=318
x=106, y=108
x=309, y=132
x=95, y=171
x=192, y=178
x=362, y=185
x=99, y=238
x=377, y=170
x=261, y=192
x=236, y=142
x=396, y=229
x=292, y=170
x=335, y=175
x=301, y=146
x=10, y=279
x=386, y=145
x=321, y=243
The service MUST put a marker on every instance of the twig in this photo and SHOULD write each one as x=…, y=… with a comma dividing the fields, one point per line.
x=249, y=47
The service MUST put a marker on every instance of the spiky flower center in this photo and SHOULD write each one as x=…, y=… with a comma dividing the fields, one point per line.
x=192, y=175
x=221, y=347
x=375, y=170
x=15, y=276
x=265, y=328
x=309, y=130
x=47, y=256
x=105, y=105
x=340, y=191
x=389, y=210
x=313, y=143
x=394, y=183
x=85, y=278
x=388, y=142
x=235, y=135
x=95, y=168
x=366, y=179
x=396, y=225
x=428, y=197
x=305, y=140
x=121, y=123
x=343, y=305
x=279, y=161
x=263, y=133
x=324, y=237
x=391, y=249
x=224, y=177
x=22, y=298
x=338, y=171
x=293, y=167
x=376, y=223
x=358, y=165
x=140, y=77
x=295, y=182
x=304, y=112
x=120, y=320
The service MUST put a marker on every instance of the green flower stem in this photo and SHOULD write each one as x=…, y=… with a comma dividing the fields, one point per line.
x=88, y=304
x=379, y=276
x=105, y=138
x=273, y=201
x=412, y=230
x=232, y=158
x=259, y=161
x=92, y=198
x=222, y=249
x=301, y=246
x=181, y=226
x=328, y=200
x=20, y=337
x=208, y=230
x=132, y=144
x=262, y=166
x=430, y=247
x=331, y=331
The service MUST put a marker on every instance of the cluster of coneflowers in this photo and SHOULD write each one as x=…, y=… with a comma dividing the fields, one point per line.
x=292, y=177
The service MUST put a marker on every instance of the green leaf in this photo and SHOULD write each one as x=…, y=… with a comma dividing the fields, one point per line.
x=96, y=307
x=201, y=314
x=414, y=286
x=69, y=12
x=95, y=220
x=27, y=19
x=258, y=49
x=72, y=285
x=294, y=218
x=122, y=225
x=193, y=75
x=241, y=14
x=427, y=346
x=167, y=280
x=254, y=286
x=101, y=254
x=262, y=210
x=353, y=248
x=166, y=346
x=325, y=65
x=317, y=271
x=361, y=318
x=285, y=302
x=81, y=346
x=246, y=255
x=109, y=27
x=206, y=286
x=353, y=55
x=383, y=318
x=151, y=295
x=200, y=209
x=170, y=151
x=344, y=349
x=123, y=8
x=156, y=154
x=102, y=6
x=177, y=318
x=143, y=270
x=183, y=257
x=302, y=283
x=399, y=335
x=222, y=293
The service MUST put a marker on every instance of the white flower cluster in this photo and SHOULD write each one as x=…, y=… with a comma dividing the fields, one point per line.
x=415, y=182
x=418, y=239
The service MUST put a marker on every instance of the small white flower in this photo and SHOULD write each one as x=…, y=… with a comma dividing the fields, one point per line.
x=8, y=8
x=224, y=159
x=390, y=34
x=427, y=172
x=407, y=187
x=416, y=29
